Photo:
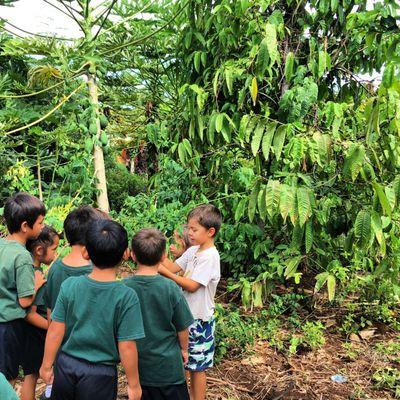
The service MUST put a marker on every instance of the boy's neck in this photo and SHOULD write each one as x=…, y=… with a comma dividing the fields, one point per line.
x=103, y=275
x=36, y=263
x=18, y=237
x=207, y=245
x=149, y=270
x=74, y=258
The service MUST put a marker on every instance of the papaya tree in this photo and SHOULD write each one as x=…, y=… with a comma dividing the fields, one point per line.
x=111, y=32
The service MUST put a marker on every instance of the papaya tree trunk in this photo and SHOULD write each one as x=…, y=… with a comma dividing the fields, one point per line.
x=99, y=167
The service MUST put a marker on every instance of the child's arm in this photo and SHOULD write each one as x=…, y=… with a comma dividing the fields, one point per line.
x=36, y=319
x=183, y=338
x=54, y=338
x=129, y=360
x=48, y=317
x=185, y=283
x=171, y=266
x=26, y=302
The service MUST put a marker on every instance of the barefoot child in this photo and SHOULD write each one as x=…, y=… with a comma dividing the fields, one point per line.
x=201, y=267
x=44, y=251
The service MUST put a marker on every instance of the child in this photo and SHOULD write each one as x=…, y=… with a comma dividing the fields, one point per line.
x=181, y=243
x=96, y=321
x=73, y=264
x=201, y=267
x=24, y=216
x=166, y=318
x=6, y=390
x=43, y=250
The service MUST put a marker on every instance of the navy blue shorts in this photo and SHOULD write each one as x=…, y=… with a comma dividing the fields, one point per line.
x=34, y=345
x=170, y=392
x=12, y=347
x=77, y=379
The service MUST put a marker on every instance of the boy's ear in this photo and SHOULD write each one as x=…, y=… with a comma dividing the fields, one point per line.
x=133, y=256
x=24, y=227
x=39, y=251
x=211, y=232
x=85, y=254
x=163, y=257
x=126, y=255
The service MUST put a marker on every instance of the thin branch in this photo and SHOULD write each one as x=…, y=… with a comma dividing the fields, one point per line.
x=104, y=20
x=130, y=17
x=30, y=33
x=72, y=15
x=31, y=94
x=133, y=42
x=46, y=115
x=69, y=7
x=13, y=33
x=57, y=8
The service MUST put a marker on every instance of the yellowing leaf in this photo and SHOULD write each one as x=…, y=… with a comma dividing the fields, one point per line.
x=254, y=90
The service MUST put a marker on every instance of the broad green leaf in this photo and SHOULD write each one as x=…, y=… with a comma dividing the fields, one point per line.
x=215, y=83
x=279, y=141
x=240, y=209
x=354, y=161
x=229, y=79
x=391, y=197
x=267, y=139
x=262, y=206
x=388, y=76
x=303, y=205
x=257, y=136
x=257, y=290
x=272, y=197
x=197, y=61
x=200, y=126
x=219, y=122
x=331, y=284
x=246, y=294
x=181, y=153
x=287, y=203
x=376, y=224
x=382, y=199
x=297, y=237
x=211, y=127
x=271, y=42
x=320, y=281
x=321, y=63
x=289, y=66
x=254, y=90
x=362, y=227
x=188, y=147
x=291, y=266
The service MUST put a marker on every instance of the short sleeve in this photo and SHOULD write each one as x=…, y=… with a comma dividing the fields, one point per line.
x=59, y=312
x=47, y=294
x=24, y=277
x=182, y=317
x=205, y=270
x=183, y=260
x=130, y=322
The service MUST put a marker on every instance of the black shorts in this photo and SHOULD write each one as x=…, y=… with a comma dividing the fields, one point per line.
x=12, y=346
x=77, y=379
x=171, y=392
x=34, y=349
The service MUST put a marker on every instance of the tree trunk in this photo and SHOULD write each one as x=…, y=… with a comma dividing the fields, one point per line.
x=99, y=167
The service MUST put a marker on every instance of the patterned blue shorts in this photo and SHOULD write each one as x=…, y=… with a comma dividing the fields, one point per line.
x=201, y=345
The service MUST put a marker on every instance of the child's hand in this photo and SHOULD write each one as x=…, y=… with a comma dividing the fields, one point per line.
x=185, y=356
x=47, y=375
x=162, y=270
x=135, y=392
x=40, y=280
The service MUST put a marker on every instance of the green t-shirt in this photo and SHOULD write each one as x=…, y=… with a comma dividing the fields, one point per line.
x=97, y=315
x=39, y=301
x=58, y=273
x=165, y=312
x=6, y=390
x=17, y=279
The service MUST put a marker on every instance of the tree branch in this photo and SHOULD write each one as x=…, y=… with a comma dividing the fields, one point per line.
x=133, y=42
x=72, y=15
x=107, y=12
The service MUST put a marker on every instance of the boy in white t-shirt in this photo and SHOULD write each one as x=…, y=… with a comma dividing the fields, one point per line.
x=201, y=273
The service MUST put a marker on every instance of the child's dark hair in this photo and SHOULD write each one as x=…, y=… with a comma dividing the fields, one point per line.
x=77, y=223
x=20, y=208
x=45, y=239
x=106, y=242
x=208, y=216
x=148, y=246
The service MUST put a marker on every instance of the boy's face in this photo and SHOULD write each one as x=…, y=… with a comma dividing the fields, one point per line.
x=198, y=234
x=34, y=232
x=50, y=253
x=177, y=248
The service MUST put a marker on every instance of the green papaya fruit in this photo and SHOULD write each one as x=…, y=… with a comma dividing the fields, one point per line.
x=88, y=145
x=93, y=128
x=103, y=121
x=103, y=138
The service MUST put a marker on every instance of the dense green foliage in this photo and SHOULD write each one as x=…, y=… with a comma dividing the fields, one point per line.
x=259, y=106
